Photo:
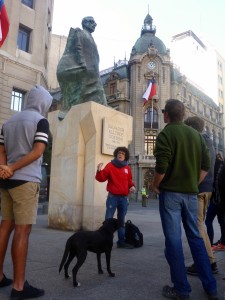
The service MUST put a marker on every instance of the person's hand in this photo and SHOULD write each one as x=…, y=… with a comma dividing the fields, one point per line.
x=5, y=172
x=156, y=190
x=2, y=174
x=99, y=167
x=132, y=189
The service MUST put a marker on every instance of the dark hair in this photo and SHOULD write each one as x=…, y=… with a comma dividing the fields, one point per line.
x=196, y=123
x=175, y=110
x=123, y=149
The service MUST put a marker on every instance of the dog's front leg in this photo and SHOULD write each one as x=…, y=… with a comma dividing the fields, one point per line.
x=100, y=271
x=108, y=258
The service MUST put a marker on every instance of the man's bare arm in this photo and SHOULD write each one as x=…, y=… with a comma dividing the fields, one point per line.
x=156, y=182
x=3, y=161
x=3, y=157
x=202, y=176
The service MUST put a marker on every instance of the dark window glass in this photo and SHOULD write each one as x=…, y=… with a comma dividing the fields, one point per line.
x=112, y=89
x=23, y=39
x=17, y=100
x=151, y=118
x=28, y=3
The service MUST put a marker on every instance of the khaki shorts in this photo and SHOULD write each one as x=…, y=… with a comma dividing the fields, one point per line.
x=20, y=203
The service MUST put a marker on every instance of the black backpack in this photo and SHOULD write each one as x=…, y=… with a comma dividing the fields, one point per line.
x=133, y=236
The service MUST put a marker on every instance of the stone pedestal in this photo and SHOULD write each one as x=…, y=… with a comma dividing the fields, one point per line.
x=87, y=136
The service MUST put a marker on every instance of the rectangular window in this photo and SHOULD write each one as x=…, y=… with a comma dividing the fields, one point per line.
x=164, y=75
x=112, y=89
x=204, y=110
x=23, y=40
x=139, y=74
x=17, y=100
x=28, y=3
x=184, y=94
x=151, y=118
x=149, y=144
x=190, y=99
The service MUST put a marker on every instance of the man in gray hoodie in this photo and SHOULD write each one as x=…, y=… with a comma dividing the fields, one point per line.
x=204, y=195
x=22, y=142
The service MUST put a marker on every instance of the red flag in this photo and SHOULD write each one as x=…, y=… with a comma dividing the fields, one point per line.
x=151, y=91
x=4, y=22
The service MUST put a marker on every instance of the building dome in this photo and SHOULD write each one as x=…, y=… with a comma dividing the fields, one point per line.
x=148, y=39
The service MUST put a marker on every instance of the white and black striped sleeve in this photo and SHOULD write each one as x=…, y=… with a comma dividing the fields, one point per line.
x=2, y=141
x=41, y=135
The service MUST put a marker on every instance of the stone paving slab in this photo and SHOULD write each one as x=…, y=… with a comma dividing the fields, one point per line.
x=140, y=273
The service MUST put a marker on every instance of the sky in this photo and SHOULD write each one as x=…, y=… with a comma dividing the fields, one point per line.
x=119, y=22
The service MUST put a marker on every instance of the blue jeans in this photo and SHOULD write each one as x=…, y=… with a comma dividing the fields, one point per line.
x=213, y=211
x=174, y=208
x=120, y=203
x=210, y=216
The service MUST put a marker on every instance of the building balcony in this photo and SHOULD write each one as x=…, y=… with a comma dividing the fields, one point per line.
x=146, y=159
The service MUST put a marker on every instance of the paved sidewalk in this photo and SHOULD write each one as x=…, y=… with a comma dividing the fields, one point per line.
x=140, y=273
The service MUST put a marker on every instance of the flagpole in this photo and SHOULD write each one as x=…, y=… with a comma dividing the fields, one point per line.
x=152, y=113
x=152, y=107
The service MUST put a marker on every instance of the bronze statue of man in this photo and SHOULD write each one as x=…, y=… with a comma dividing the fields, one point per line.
x=78, y=68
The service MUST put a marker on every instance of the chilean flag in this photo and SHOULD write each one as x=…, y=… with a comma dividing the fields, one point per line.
x=4, y=22
x=150, y=92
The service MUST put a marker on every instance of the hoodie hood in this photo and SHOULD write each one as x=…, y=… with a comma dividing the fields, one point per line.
x=39, y=99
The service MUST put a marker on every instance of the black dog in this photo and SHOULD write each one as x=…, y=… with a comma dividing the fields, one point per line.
x=99, y=241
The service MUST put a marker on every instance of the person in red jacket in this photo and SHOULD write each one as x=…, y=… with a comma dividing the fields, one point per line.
x=119, y=185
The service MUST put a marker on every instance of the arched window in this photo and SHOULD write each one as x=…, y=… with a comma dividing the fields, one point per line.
x=151, y=118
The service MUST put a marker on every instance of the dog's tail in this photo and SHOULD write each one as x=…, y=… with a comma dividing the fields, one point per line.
x=65, y=255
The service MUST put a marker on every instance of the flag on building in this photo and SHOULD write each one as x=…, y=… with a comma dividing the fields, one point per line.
x=150, y=92
x=4, y=22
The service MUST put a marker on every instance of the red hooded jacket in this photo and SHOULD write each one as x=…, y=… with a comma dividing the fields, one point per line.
x=119, y=179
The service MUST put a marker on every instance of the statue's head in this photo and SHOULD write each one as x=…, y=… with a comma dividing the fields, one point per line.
x=89, y=24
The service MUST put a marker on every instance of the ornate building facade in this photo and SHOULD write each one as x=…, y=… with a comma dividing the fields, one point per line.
x=125, y=84
x=24, y=54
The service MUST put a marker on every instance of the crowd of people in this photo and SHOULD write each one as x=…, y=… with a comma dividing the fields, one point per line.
x=189, y=182
x=188, y=179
